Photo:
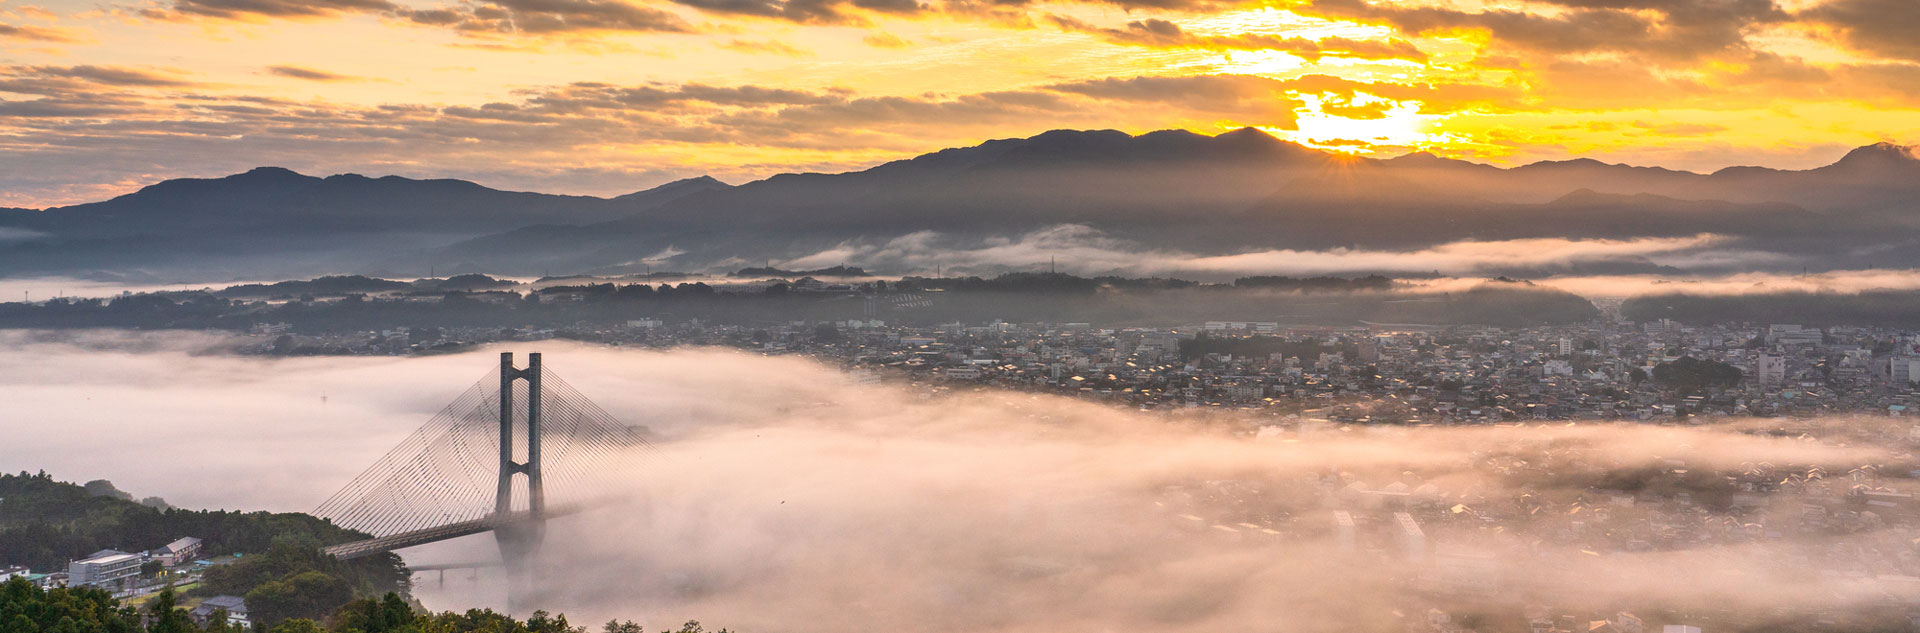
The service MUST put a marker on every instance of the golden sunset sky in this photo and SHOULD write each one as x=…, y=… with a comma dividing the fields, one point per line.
x=611, y=96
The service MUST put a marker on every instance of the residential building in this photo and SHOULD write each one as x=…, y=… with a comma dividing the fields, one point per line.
x=234, y=606
x=180, y=551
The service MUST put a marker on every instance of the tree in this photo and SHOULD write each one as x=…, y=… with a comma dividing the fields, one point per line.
x=26, y=607
x=389, y=613
x=1692, y=374
x=543, y=622
x=298, y=625
x=167, y=617
x=310, y=594
x=104, y=488
x=693, y=626
x=219, y=623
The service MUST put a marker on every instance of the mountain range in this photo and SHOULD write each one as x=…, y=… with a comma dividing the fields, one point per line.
x=1168, y=191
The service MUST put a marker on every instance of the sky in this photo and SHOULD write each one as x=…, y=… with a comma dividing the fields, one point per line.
x=604, y=97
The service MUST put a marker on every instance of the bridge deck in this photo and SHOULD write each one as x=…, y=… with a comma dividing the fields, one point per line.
x=451, y=566
x=413, y=538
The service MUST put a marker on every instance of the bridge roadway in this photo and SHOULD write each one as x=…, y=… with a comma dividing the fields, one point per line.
x=480, y=564
x=403, y=540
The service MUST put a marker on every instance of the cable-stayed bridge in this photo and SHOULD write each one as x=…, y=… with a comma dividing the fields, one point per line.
x=517, y=448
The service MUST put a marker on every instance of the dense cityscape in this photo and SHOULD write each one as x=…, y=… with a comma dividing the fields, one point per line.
x=1389, y=373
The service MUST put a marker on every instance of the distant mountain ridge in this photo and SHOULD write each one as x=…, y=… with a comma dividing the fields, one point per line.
x=276, y=198
x=1233, y=192
x=1170, y=189
x=299, y=224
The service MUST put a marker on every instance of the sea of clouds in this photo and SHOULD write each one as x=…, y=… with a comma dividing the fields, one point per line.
x=783, y=494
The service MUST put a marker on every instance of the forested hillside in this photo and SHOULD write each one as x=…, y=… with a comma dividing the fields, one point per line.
x=46, y=523
x=25, y=608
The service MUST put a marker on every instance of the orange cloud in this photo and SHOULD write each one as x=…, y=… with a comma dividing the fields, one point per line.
x=1163, y=34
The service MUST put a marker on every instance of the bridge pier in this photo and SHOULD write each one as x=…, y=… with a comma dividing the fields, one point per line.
x=519, y=552
x=519, y=542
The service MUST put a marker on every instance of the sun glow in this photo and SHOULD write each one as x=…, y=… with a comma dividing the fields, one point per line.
x=606, y=103
x=1375, y=125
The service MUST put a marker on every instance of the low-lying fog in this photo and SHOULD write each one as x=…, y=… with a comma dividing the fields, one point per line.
x=789, y=496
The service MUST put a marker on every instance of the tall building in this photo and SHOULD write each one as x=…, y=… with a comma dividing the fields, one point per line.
x=1344, y=530
x=1899, y=370
x=1413, y=540
x=1790, y=334
x=105, y=569
x=1771, y=369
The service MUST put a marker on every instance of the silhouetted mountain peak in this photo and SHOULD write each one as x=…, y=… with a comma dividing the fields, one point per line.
x=255, y=176
x=703, y=180
x=1744, y=171
x=675, y=190
x=1429, y=160
x=1880, y=155
x=267, y=171
x=1248, y=140
x=1575, y=163
x=1077, y=136
x=257, y=181
x=1249, y=135
x=1243, y=140
x=1070, y=143
x=701, y=183
x=1173, y=134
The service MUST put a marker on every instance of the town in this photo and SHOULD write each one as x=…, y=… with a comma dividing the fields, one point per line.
x=1366, y=373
